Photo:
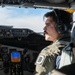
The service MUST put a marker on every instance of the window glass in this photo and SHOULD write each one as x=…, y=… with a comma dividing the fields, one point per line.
x=23, y=17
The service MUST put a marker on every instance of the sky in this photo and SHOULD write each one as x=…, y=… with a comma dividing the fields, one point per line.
x=30, y=18
x=23, y=17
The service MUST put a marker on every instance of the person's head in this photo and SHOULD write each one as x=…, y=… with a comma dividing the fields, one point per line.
x=57, y=22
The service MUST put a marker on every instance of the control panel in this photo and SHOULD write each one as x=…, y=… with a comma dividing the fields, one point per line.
x=16, y=64
x=16, y=61
x=10, y=32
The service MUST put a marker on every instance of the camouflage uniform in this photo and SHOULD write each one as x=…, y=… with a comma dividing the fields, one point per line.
x=46, y=60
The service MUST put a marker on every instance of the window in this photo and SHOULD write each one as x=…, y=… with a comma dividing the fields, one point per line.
x=22, y=17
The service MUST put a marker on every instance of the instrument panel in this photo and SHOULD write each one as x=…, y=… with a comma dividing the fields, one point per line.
x=16, y=61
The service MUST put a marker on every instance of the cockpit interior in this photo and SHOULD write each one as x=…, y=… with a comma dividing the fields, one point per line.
x=19, y=47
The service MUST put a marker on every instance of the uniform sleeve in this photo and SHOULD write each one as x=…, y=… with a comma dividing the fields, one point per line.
x=44, y=63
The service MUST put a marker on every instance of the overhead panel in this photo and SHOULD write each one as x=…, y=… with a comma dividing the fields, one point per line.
x=51, y=3
x=40, y=3
x=55, y=1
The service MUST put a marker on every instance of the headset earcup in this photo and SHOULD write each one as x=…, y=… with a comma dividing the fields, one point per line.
x=61, y=28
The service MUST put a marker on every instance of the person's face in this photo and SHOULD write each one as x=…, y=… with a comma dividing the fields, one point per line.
x=50, y=32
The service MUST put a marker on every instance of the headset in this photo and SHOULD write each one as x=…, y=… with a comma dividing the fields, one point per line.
x=61, y=27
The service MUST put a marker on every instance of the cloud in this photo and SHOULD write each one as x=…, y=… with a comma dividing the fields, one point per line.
x=27, y=22
x=22, y=18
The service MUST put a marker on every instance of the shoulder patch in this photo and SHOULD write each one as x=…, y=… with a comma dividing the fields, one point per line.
x=46, y=48
x=40, y=60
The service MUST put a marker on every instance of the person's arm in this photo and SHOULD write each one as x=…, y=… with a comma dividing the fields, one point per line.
x=39, y=70
x=56, y=72
x=44, y=63
x=65, y=70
